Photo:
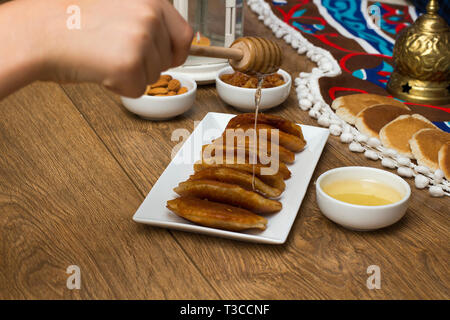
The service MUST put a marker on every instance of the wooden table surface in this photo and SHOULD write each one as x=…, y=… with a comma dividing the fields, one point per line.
x=75, y=166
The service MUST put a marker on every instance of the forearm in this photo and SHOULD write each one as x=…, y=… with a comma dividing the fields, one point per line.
x=123, y=45
x=19, y=60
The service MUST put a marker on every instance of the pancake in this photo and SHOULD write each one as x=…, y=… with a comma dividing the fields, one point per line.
x=216, y=215
x=397, y=133
x=425, y=145
x=372, y=119
x=444, y=160
x=348, y=107
x=229, y=194
x=240, y=178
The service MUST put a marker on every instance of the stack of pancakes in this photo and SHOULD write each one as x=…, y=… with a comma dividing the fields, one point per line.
x=239, y=177
x=389, y=120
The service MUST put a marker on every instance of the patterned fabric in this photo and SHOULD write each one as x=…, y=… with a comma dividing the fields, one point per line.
x=360, y=34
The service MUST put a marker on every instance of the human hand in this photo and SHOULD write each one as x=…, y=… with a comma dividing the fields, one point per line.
x=123, y=45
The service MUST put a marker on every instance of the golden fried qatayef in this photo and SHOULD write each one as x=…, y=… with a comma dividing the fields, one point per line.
x=425, y=145
x=264, y=148
x=289, y=141
x=229, y=194
x=216, y=215
x=372, y=119
x=240, y=178
x=397, y=133
x=348, y=107
x=274, y=180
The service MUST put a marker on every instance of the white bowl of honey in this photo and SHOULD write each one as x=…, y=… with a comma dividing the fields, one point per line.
x=362, y=198
x=241, y=95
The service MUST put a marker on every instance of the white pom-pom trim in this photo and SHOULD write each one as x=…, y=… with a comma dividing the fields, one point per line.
x=347, y=138
x=356, y=147
x=370, y=154
x=421, y=181
x=405, y=172
x=388, y=163
x=335, y=130
x=404, y=161
x=436, y=191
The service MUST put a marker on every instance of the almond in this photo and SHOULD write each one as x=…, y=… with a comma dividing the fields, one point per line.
x=156, y=91
x=182, y=90
x=159, y=84
x=174, y=85
x=165, y=77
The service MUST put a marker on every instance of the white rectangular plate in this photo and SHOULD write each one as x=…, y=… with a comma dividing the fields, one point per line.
x=153, y=210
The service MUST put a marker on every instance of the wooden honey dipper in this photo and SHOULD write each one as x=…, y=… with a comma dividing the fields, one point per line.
x=249, y=55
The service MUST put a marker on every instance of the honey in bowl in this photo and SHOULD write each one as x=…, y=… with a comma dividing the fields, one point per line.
x=363, y=192
x=241, y=80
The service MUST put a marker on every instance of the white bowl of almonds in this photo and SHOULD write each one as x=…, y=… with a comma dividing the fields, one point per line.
x=172, y=95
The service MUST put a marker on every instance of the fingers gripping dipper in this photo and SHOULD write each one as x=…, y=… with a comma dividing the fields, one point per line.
x=249, y=55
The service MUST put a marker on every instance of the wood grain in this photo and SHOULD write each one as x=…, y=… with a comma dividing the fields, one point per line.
x=73, y=172
x=64, y=201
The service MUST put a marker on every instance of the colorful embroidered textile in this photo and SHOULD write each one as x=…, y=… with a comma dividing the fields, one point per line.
x=360, y=35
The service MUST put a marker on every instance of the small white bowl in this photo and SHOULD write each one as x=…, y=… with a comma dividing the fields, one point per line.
x=244, y=99
x=359, y=217
x=162, y=108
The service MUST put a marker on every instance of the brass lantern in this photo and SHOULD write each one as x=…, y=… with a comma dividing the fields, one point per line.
x=422, y=60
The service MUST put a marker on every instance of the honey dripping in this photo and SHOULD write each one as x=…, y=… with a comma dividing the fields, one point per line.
x=255, y=135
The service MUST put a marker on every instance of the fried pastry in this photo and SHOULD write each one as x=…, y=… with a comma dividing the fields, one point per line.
x=444, y=159
x=271, y=120
x=348, y=107
x=289, y=141
x=397, y=133
x=229, y=194
x=265, y=149
x=372, y=119
x=425, y=145
x=249, y=152
x=271, y=167
x=216, y=215
x=240, y=178
x=273, y=180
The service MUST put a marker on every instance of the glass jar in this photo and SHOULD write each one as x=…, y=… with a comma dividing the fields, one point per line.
x=216, y=23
